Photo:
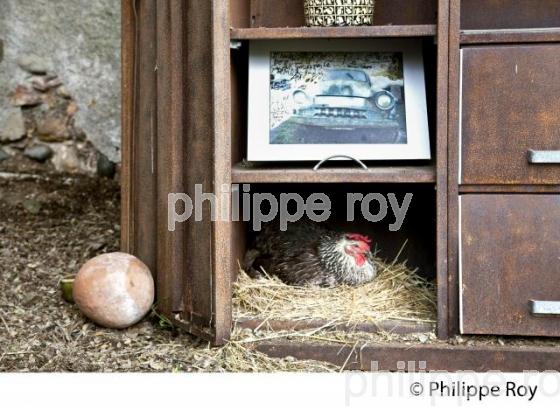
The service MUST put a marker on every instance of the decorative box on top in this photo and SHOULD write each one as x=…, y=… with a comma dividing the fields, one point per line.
x=324, y=13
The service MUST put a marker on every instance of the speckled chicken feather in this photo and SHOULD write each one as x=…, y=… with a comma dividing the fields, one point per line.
x=307, y=254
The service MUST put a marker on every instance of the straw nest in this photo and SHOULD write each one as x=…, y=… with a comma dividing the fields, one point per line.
x=398, y=293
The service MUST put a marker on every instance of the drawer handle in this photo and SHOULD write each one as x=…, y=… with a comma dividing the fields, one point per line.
x=543, y=157
x=544, y=308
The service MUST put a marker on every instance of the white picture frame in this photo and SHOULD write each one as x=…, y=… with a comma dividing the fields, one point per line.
x=265, y=92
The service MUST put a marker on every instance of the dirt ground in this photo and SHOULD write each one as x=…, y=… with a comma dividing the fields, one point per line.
x=49, y=225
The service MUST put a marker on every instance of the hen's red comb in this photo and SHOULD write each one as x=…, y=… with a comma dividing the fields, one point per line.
x=359, y=237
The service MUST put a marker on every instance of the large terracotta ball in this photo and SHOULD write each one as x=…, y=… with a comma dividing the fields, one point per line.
x=114, y=290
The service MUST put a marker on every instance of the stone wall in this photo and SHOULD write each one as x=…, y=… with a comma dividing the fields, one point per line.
x=61, y=71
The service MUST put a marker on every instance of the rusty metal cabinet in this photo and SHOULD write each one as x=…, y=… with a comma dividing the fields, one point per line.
x=493, y=82
x=505, y=169
x=186, y=122
x=509, y=263
x=510, y=107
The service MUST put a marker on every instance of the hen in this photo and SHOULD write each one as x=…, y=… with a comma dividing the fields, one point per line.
x=309, y=255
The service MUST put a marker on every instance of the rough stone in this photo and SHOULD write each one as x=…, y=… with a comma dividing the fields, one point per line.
x=39, y=152
x=105, y=167
x=53, y=129
x=16, y=146
x=45, y=83
x=12, y=125
x=74, y=157
x=81, y=40
x=34, y=64
x=114, y=290
x=65, y=158
x=25, y=97
x=63, y=92
x=71, y=109
x=3, y=155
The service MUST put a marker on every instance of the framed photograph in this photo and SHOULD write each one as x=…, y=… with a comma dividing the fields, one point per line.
x=312, y=99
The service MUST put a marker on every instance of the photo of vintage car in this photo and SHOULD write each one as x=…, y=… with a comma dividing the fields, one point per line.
x=346, y=100
x=337, y=98
x=316, y=99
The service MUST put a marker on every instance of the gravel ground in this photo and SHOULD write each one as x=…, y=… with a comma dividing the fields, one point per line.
x=49, y=225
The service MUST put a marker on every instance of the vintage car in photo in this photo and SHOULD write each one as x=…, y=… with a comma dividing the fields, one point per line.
x=345, y=100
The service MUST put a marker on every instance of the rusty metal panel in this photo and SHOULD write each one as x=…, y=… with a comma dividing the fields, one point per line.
x=421, y=358
x=170, y=145
x=442, y=95
x=207, y=162
x=453, y=167
x=139, y=132
x=509, y=252
x=222, y=232
x=128, y=54
x=197, y=161
x=175, y=120
x=511, y=36
x=240, y=13
x=510, y=105
x=502, y=14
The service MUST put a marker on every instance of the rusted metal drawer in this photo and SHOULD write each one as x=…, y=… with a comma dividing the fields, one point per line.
x=509, y=264
x=510, y=105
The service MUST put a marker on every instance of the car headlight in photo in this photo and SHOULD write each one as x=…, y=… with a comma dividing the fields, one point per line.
x=384, y=100
x=347, y=91
x=300, y=98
